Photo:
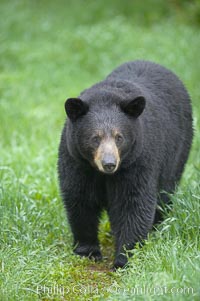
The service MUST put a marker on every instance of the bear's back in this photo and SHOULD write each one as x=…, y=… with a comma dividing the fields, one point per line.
x=165, y=94
x=152, y=78
x=143, y=72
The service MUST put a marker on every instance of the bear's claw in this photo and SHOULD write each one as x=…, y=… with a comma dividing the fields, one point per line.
x=90, y=251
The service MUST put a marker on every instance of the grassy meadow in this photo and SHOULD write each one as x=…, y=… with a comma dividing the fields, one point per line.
x=51, y=50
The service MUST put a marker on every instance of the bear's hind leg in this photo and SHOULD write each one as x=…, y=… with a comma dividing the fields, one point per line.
x=164, y=199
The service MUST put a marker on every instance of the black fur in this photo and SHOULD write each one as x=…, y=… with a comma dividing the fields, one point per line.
x=151, y=108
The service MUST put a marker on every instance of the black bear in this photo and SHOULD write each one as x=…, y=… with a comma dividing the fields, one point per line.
x=123, y=149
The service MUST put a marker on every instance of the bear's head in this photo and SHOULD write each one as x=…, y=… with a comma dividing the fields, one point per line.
x=104, y=129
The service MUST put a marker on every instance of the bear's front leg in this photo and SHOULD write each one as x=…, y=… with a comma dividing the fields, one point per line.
x=131, y=225
x=84, y=224
x=131, y=214
x=83, y=210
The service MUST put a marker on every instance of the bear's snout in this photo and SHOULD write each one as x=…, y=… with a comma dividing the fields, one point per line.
x=109, y=163
x=107, y=157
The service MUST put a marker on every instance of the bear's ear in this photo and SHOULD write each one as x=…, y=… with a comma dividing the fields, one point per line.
x=134, y=107
x=75, y=108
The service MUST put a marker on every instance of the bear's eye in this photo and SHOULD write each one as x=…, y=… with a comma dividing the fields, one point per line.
x=96, y=140
x=119, y=139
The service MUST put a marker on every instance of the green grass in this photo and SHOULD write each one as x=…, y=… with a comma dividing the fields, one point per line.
x=50, y=50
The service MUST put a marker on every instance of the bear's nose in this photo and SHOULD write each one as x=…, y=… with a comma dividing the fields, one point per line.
x=109, y=164
x=109, y=167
